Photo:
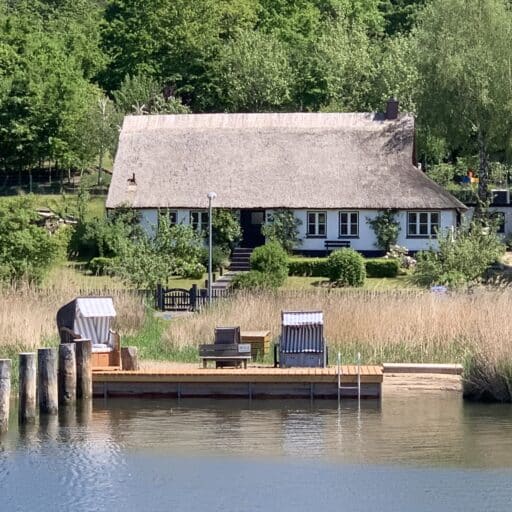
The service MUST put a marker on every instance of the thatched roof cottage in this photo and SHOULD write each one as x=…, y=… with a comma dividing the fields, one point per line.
x=335, y=171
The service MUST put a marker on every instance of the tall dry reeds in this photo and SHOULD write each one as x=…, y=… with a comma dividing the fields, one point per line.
x=399, y=326
x=27, y=314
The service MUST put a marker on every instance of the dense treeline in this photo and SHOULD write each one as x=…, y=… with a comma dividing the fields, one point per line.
x=69, y=69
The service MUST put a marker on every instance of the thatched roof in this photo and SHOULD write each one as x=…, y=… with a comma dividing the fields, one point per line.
x=271, y=161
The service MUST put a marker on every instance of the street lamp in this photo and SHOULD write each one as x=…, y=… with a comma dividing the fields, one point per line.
x=211, y=197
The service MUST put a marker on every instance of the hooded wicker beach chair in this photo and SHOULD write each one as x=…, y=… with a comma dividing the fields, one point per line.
x=91, y=318
x=302, y=341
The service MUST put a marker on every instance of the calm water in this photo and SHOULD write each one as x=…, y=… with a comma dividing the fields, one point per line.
x=420, y=453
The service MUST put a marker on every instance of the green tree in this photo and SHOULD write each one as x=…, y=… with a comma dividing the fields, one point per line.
x=283, y=227
x=27, y=251
x=252, y=74
x=462, y=256
x=465, y=95
x=226, y=230
x=172, y=41
x=142, y=94
x=145, y=261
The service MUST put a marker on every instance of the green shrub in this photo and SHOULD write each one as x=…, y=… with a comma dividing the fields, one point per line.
x=253, y=280
x=271, y=259
x=193, y=270
x=220, y=257
x=318, y=267
x=308, y=267
x=226, y=230
x=382, y=268
x=346, y=268
x=282, y=226
x=27, y=251
x=386, y=228
x=100, y=266
x=462, y=257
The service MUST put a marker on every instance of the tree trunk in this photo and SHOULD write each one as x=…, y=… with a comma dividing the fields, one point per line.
x=483, y=199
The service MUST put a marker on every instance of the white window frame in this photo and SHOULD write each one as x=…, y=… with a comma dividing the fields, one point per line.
x=351, y=232
x=423, y=218
x=315, y=233
x=201, y=226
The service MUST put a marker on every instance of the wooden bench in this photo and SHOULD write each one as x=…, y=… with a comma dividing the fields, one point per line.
x=225, y=353
x=336, y=244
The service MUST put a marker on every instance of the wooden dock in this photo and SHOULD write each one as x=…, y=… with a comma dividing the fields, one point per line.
x=254, y=382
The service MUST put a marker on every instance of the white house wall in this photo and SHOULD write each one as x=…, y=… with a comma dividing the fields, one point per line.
x=365, y=241
x=149, y=218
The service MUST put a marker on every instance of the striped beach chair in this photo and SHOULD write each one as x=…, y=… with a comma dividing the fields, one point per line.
x=91, y=318
x=302, y=341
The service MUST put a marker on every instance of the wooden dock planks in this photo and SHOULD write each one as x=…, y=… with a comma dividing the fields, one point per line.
x=255, y=382
x=369, y=374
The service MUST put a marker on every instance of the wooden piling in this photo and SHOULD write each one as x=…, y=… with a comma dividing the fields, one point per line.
x=47, y=380
x=5, y=393
x=83, y=369
x=67, y=374
x=27, y=387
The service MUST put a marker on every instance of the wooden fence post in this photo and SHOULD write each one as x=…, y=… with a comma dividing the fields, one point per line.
x=67, y=374
x=83, y=368
x=5, y=393
x=159, y=297
x=27, y=385
x=193, y=297
x=47, y=381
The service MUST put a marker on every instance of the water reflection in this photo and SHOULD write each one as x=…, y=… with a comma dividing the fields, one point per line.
x=157, y=454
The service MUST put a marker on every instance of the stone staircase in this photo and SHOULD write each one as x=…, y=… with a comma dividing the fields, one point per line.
x=240, y=259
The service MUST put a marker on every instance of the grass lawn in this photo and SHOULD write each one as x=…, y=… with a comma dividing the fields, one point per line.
x=371, y=283
x=73, y=275
x=64, y=204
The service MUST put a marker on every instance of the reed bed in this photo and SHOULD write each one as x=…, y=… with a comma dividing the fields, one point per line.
x=27, y=314
x=394, y=326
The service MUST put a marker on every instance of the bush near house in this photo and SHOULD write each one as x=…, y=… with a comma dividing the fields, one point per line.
x=382, y=268
x=317, y=267
x=253, y=280
x=269, y=268
x=346, y=268
x=271, y=259
x=463, y=256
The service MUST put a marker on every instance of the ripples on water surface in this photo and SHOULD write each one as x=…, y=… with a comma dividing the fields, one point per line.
x=417, y=453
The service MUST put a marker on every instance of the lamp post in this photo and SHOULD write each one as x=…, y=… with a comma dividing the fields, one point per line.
x=211, y=197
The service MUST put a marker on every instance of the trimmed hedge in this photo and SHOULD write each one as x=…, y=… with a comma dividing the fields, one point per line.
x=382, y=268
x=308, y=267
x=317, y=267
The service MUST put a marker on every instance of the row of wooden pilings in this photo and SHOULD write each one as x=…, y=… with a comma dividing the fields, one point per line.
x=60, y=377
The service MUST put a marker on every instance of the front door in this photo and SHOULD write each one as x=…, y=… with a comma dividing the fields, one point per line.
x=251, y=222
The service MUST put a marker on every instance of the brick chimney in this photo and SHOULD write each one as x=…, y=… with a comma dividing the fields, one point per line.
x=392, y=109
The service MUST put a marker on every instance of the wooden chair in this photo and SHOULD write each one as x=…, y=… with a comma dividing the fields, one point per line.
x=91, y=318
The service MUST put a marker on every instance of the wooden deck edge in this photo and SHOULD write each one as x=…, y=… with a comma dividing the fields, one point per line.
x=137, y=377
x=447, y=369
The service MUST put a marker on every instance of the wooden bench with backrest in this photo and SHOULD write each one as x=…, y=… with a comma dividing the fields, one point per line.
x=226, y=350
x=330, y=245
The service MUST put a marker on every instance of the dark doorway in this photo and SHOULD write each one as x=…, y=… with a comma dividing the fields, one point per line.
x=251, y=222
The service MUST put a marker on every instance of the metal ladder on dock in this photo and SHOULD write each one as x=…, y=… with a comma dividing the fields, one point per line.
x=340, y=373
